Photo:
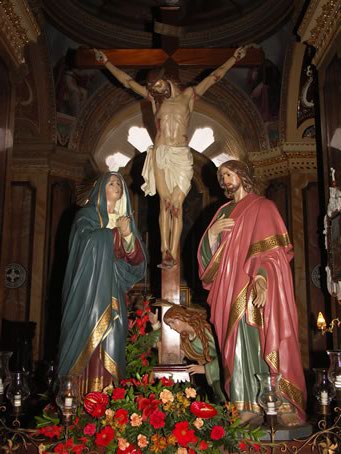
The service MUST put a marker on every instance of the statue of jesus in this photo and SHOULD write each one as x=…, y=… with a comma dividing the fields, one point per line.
x=168, y=168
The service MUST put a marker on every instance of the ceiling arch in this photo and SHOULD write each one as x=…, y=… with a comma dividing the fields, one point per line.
x=118, y=23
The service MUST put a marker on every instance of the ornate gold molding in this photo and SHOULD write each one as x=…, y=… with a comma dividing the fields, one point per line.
x=320, y=25
x=284, y=160
x=18, y=27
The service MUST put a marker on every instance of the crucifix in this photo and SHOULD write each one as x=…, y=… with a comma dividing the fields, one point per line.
x=168, y=167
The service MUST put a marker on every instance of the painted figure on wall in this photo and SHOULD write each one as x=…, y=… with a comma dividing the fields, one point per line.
x=244, y=262
x=72, y=85
x=106, y=258
x=168, y=168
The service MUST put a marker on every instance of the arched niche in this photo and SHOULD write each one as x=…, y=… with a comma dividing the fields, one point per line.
x=103, y=124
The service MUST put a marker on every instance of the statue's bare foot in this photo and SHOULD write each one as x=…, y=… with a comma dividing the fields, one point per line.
x=168, y=261
x=289, y=419
x=247, y=417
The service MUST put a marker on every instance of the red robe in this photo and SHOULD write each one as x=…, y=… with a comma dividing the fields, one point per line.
x=258, y=240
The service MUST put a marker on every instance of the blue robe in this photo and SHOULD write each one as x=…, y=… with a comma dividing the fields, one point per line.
x=96, y=281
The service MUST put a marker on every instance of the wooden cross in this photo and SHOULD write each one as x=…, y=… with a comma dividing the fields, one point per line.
x=171, y=57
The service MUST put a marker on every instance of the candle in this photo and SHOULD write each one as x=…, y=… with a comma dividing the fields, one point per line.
x=271, y=408
x=68, y=402
x=321, y=322
x=17, y=400
x=324, y=398
x=1, y=386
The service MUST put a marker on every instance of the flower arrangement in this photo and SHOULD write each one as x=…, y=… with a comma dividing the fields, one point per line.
x=143, y=415
x=147, y=416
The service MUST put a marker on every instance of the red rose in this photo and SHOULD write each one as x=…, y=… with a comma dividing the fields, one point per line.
x=203, y=445
x=78, y=449
x=133, y=337
x=242, y=446
x=121, y=416
x=217, y=432
x=60, y=449
x=157, y=419
x=95, y=404
x=51, y=431
x=104, y=437
x=148, y=405
x=256, y=447
x=183, y=434
x=202, y=410
x=89, y=429
x=167, y=381
x=130, y=450
x=118, y=393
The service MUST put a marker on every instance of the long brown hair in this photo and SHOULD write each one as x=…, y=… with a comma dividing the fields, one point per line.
x=244, y=172
x=195, y=319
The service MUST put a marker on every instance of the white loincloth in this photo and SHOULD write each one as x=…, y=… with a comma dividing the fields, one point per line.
x=177, y=164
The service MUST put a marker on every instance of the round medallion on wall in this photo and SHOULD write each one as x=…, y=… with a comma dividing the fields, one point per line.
x=15, y=275
x=316, y=276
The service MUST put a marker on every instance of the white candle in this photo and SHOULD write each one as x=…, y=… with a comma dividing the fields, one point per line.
x=271, y=408
x=1, y=386
x=17, y=400
x=338, y=381
x=68, y=402
x=324, y=398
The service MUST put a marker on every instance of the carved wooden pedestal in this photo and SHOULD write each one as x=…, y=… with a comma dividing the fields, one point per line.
x=170, y=357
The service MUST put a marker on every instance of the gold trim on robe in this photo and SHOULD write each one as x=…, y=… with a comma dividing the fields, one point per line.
x=96, y=384
x=237, y=311
x=248, y=406
x=269, y=243
x=94, y=339
x=254, y=314
x=209, y=276
x=109, y=363
x=115, y=304
x=98, y=204
x=293, y=393
x=273, y=359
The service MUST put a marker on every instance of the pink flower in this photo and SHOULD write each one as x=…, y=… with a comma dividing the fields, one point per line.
x=190, y=393
x=166, y=396
x=142, y=441
x=123, y=444
x=198, y=423
x=135, y=420
x=89, y=429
